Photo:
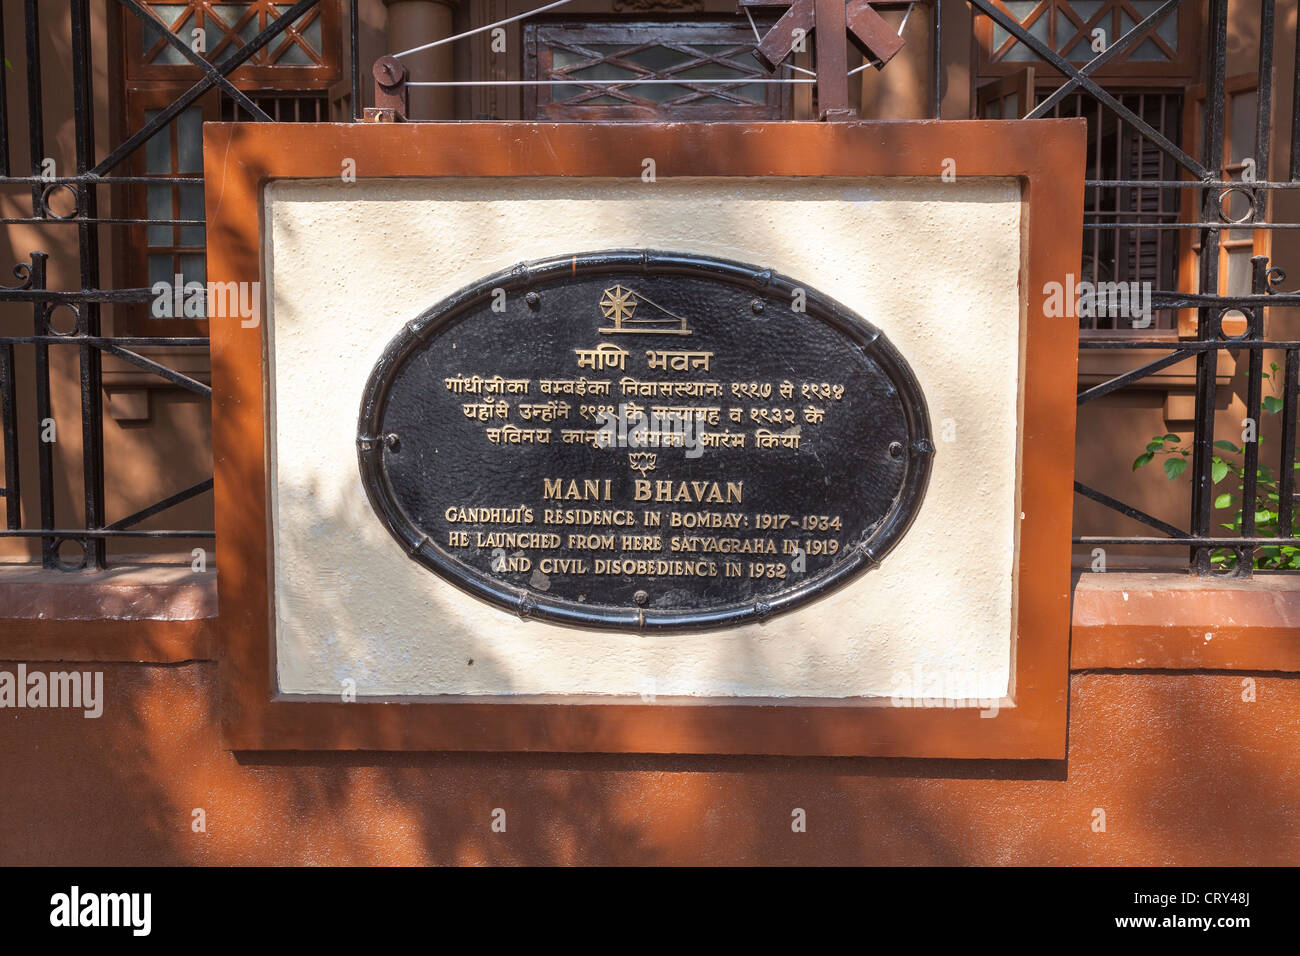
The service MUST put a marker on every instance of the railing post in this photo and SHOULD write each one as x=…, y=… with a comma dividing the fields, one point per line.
x=392, y=98
x=1208, y=316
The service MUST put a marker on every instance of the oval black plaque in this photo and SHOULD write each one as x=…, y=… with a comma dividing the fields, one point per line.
x=644, y=440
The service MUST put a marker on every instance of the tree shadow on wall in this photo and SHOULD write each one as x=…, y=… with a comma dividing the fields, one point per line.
x=592, y=808
x=124, y=789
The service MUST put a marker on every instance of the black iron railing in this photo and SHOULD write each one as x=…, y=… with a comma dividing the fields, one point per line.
x=1265, y=527
x=1131, y=234
x=72, y=202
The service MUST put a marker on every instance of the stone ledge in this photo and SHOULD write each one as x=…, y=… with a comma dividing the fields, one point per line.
x=141, y=612
x=144, y=592
x=1134, y=620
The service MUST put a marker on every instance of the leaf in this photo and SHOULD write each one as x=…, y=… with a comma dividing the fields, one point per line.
x=1154, y=446
x=1263, y=517
x=1227, y=446
x=1173, y=438
x=1142, y=460
x=1223, y=501
x=1272, y=404
x=1174, y=467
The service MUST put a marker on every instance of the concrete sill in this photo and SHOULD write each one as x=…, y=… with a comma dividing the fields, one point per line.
x=1155, y=621
x=145, y=612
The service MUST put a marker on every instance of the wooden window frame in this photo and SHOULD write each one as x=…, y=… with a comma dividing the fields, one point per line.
x=1019, y=84
x=146, y=86
x=989, y=75
x=1130, y=72
x=250, y=75
x=1022, y=85
x=538, y=105
x=1189, y=241
x=132, y=255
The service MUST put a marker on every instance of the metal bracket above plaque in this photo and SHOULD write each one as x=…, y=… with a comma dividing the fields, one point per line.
x=640, y=440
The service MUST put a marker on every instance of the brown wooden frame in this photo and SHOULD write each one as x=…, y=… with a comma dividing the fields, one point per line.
x=250, y=75
x=1020, y=85
x=132, y=254
x=1045, y=155
x=1189, y=240
x=1134, y=72
x=146, y=86
x=539, y=104
x=1113, y=360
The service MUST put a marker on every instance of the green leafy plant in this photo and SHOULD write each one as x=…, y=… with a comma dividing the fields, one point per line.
x=1176, y=455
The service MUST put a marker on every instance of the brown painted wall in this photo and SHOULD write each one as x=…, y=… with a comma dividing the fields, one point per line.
x=1186, y=772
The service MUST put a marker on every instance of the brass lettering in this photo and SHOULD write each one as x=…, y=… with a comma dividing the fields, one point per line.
x=591, y=489
x=663, y=489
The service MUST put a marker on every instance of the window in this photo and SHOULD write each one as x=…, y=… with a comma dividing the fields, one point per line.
x=174, y=153
x=1124, y=238
x=281, y=107
x=160, y=252
x=300, y=65
x=662, y=75
x=1236, y=246
x=1115, y=246
x=307, y=53
x=1128, y=229
x=1008, y=98
x=1079, y=29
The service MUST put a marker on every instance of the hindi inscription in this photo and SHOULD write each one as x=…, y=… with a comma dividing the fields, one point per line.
x=638, y=440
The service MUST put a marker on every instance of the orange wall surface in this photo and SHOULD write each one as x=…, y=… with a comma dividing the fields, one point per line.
x=1184, y=769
